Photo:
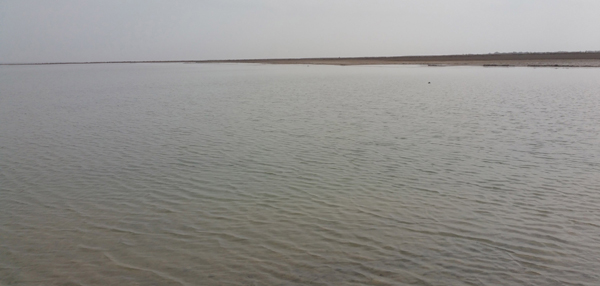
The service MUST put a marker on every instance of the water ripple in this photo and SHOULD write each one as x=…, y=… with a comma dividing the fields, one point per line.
x=279, y=175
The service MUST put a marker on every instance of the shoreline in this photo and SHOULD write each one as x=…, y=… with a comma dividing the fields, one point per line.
x=560, y=59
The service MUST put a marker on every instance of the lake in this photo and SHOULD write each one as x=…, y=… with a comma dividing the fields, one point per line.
x=241, y=174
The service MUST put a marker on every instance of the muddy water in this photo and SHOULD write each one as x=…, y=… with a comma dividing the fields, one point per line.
x=182, y=174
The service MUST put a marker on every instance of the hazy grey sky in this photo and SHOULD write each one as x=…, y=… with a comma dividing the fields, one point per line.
x=106, y=30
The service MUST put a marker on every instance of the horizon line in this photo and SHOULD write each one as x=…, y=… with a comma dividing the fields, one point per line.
x=446, y=57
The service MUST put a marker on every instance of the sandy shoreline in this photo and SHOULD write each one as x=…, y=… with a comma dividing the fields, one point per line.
x=562, y=59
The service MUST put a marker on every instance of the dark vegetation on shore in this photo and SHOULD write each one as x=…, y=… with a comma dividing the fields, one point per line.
x=495, y=59
x=595, y=55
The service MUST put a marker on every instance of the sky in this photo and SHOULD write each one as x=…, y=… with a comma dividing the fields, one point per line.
x=134, y=30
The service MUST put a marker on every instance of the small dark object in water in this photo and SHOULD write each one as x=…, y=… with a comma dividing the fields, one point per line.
x=428, y=82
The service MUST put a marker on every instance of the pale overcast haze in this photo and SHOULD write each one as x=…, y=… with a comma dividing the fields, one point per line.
x=121, y=30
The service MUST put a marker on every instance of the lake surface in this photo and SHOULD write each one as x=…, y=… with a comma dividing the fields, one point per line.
x=199, y=174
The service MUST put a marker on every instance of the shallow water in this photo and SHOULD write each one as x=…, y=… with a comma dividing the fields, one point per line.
x=188, y=174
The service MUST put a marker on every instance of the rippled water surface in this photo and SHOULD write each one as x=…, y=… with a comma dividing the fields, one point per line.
x=183, y=174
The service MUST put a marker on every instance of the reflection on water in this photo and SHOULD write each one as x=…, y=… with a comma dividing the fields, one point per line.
x=174, y=174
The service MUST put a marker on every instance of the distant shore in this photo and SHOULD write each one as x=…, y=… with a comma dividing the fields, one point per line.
x=563, y=59
x=558, y=59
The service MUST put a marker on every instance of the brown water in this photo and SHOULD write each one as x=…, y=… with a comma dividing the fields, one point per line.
x=175, y=174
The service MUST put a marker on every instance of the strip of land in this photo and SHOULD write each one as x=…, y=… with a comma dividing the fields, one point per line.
x=561, y=59
x=557, y=59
